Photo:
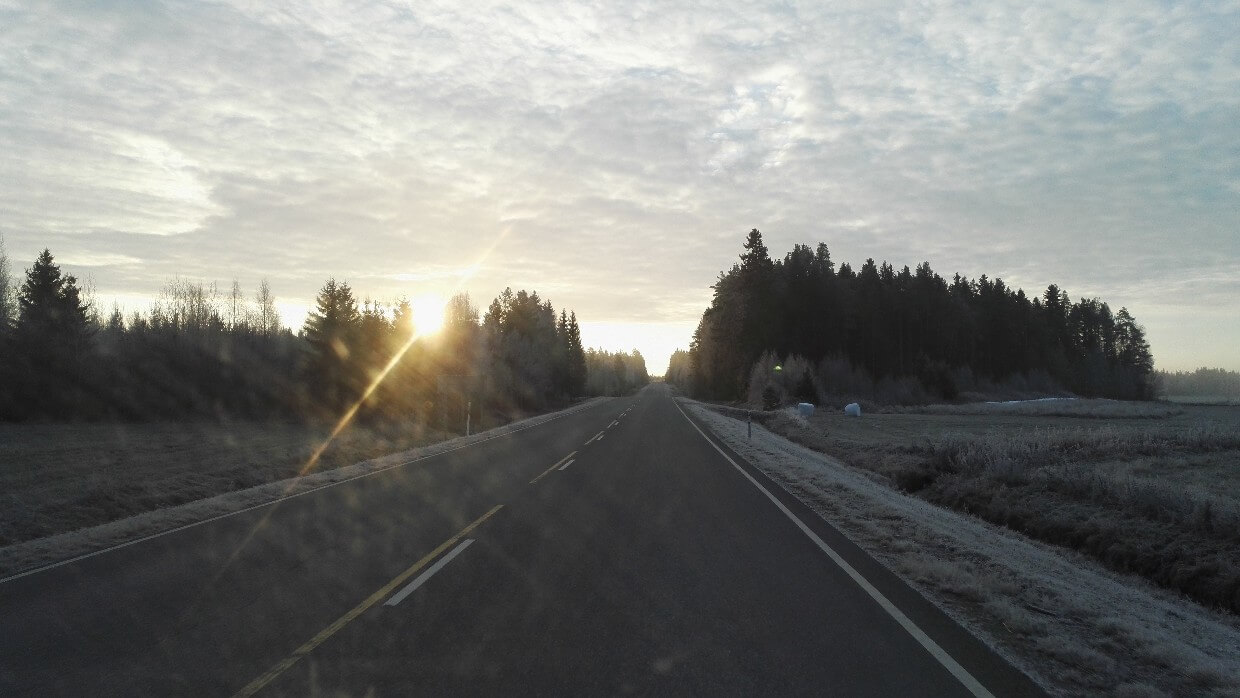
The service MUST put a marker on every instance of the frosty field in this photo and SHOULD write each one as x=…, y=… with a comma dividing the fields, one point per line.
x=62, y=477
x=1157, y=496
x=75, y=489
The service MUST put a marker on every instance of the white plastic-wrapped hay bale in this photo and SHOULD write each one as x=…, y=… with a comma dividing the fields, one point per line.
x=852, y=409
x=805, y=409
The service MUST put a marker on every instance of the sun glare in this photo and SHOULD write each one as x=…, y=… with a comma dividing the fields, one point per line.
x=427, y=314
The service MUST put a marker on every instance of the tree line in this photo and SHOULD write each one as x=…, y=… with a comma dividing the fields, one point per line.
x=1203, y=382
x=615, y=373
x=202, y=352
x=900, y=335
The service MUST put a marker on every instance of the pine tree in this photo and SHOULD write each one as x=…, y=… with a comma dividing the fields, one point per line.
x=560, y=359
x=1135, y=363
x=576, y=357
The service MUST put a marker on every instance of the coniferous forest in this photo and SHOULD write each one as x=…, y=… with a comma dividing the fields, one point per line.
x=900, y=336
x=203, y=353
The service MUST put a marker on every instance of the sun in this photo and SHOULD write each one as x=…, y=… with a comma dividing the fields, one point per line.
x=427, y=314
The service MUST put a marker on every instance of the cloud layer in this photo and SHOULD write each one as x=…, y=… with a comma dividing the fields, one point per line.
x=613, y=157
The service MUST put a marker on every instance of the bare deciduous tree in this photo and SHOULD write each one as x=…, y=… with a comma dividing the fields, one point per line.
x=187, y=305
x=8, y=292
x=238, y=312
x=267, y=320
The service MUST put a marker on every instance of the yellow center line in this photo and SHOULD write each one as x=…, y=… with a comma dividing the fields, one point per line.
x=553, y=467
x=257, y=684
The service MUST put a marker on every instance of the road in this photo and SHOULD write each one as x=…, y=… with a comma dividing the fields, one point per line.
x=614, y=550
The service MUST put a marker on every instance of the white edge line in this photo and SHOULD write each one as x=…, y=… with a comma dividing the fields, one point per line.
x=953, y=667
x=568, y=464
x=225, y=515
x=428, y=573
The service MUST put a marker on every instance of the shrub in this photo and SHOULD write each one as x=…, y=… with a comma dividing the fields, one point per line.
x=770, y=398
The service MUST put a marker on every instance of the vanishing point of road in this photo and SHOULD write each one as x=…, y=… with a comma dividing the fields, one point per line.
x=617, y=549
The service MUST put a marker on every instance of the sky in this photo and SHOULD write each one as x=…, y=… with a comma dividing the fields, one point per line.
x=613, y=156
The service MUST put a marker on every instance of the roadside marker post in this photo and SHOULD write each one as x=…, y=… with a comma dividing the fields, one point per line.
x=749, y=423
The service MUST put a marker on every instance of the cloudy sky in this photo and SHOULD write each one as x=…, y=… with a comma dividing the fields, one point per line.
x=613, y=157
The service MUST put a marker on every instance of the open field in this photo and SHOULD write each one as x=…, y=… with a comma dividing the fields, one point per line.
x=1080, y=628
x=56, y=478
x=62, y=477
x=1155, y=496
x=1054, y=407
x=220, y=455
x=1204, y=400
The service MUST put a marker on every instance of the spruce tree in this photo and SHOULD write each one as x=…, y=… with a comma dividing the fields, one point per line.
x=51, y=337
x=332, y=332
x=1134, y=362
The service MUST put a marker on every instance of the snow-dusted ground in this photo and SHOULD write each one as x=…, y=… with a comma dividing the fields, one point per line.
x=1073, y=625
x=36, y=554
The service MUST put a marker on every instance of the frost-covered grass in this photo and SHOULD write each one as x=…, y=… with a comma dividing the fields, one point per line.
x=1160, y=498
x=62, y=477
x=1078, y=627
x=68, y=490
x=1055, y=407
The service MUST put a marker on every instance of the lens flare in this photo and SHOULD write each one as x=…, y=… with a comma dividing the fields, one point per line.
x=431, y=320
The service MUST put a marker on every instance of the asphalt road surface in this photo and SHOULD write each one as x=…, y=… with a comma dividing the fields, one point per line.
x=614, y=550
